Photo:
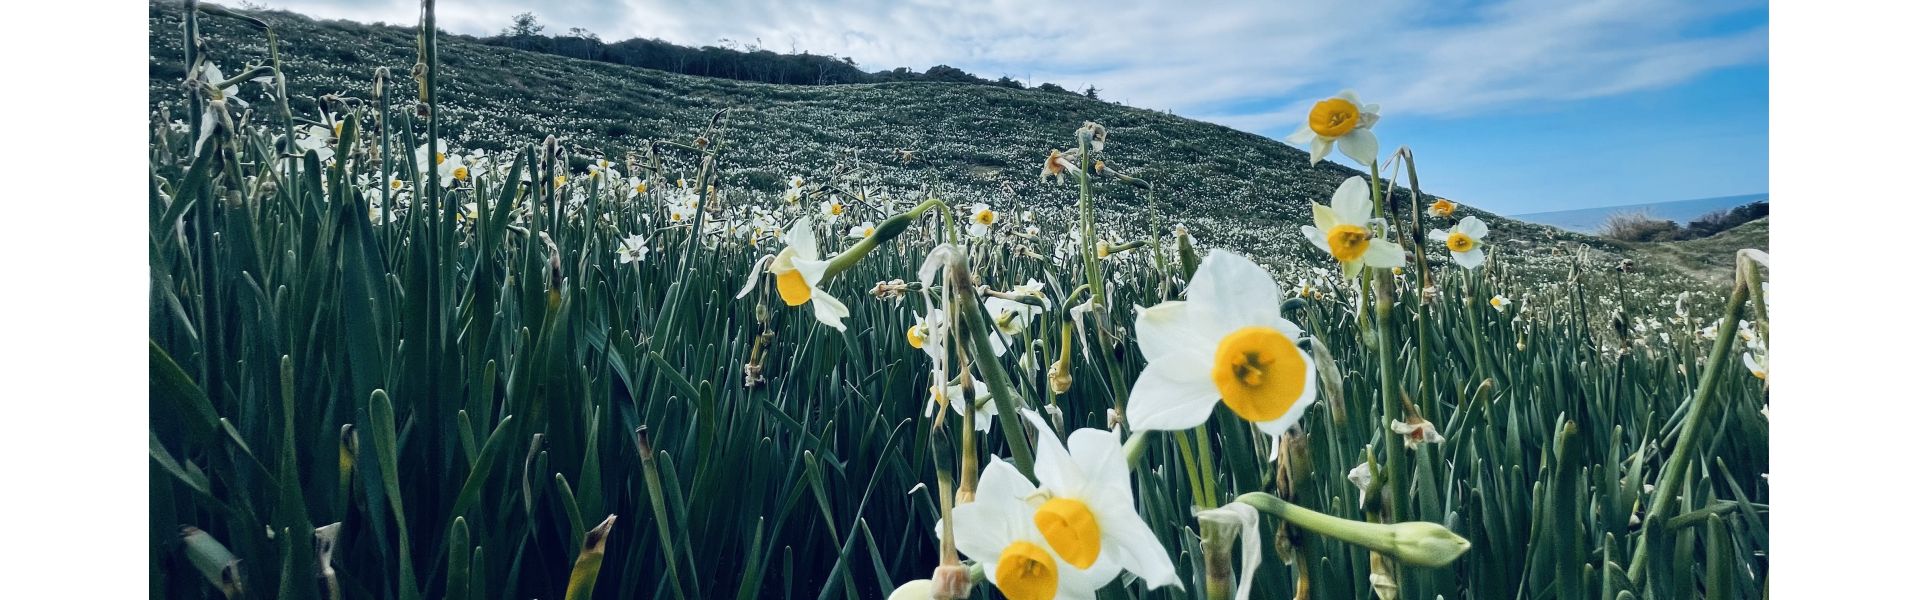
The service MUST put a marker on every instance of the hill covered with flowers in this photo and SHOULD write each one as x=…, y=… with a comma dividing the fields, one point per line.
x=961, y=142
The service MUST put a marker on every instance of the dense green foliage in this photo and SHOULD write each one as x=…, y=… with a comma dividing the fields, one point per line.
x=466, y=380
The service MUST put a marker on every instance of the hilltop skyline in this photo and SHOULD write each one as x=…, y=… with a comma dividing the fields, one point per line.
x=1515, y=106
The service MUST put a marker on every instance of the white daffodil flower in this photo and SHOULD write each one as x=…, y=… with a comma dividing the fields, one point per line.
x=982, y=221
x=454, y=169
x=211, y=74
x=1442, y=208
x=797, y=271
x=927, y=329
x=1756, y=360
x=1499, y=302
x=1226, y=342
x=861, y=231
x=984, y=409
x=1341, y=120
x=1084, y=506
x=1009, y=317
x=316, y=139
x=997, y=530
x=632, y=249
x=832, y=209
x=1343, y=230
x=1463, y=241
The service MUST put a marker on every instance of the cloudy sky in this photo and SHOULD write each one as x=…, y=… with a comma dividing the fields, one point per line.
x=1515, y=106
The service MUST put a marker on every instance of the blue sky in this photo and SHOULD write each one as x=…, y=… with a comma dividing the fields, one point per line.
x=1514, y=106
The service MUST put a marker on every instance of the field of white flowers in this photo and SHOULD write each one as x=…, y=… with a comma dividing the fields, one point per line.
x=427, y=334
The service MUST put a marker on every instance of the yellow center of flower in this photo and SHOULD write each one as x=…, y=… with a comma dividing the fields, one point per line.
x=396, y=184
x=439, y=157
x=640, y=188
x=1026, y=572
x=1333, y=117
x=1459, y=242
x=337, y=125
x=1259, y=372
x=1102, y=250
x=559, y=180
x=836, y=208
x=917, y=336
x=985, y=217
x=793, y=288
x=1347, y=242
x=866, y=232
x=1070, y=529
x=1443, y=208
x=1498, y=302
x=460, y=173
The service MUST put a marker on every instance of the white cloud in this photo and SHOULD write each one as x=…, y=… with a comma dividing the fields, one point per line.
x=1250, y=65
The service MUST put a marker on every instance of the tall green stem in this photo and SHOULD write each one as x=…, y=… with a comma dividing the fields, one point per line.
x=1664, y=495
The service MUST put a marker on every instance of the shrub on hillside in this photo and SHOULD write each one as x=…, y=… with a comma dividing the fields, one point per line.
x=1638, y=226
x=1721, y=220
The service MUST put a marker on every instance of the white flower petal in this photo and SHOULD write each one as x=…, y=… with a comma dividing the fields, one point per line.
x=800, y=239
x=1300, y=136
x=1324, y=217
x=1353, y=202
x=1169, y=328
x=1235, y=291
x=1102, y=461
x=1382, y=253
x=1473, y=227
x=1438, y=236
x=1139, y=551
x=1318, y=150
x=829, y=309
x=1470, y=259
x=1317, y=237
x=1172, y=394
x=753, y=276
x=1361, y=146
x=811, y=270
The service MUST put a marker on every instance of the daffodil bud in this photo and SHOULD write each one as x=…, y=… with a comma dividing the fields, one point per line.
x=1059, y=377
x=1424, y=544
x=918, y=589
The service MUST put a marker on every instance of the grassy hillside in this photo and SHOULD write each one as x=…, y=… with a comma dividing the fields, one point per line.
x=1709, y=258
x=969, y=142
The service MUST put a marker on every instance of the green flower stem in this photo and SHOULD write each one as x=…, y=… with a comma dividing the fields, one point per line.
x=1195, y=481
x=886, y=231
x=1423, y=310
x=1416, y=543
x=1210, y=487
x=974, y=324
x=1676, y=466
x=1384, y=346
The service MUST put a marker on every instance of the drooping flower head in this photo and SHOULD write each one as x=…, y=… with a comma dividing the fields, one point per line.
x=1344, y=230
x=798, y=271
x=1225, y=343
x=1343, y=121
x=1463, y=241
